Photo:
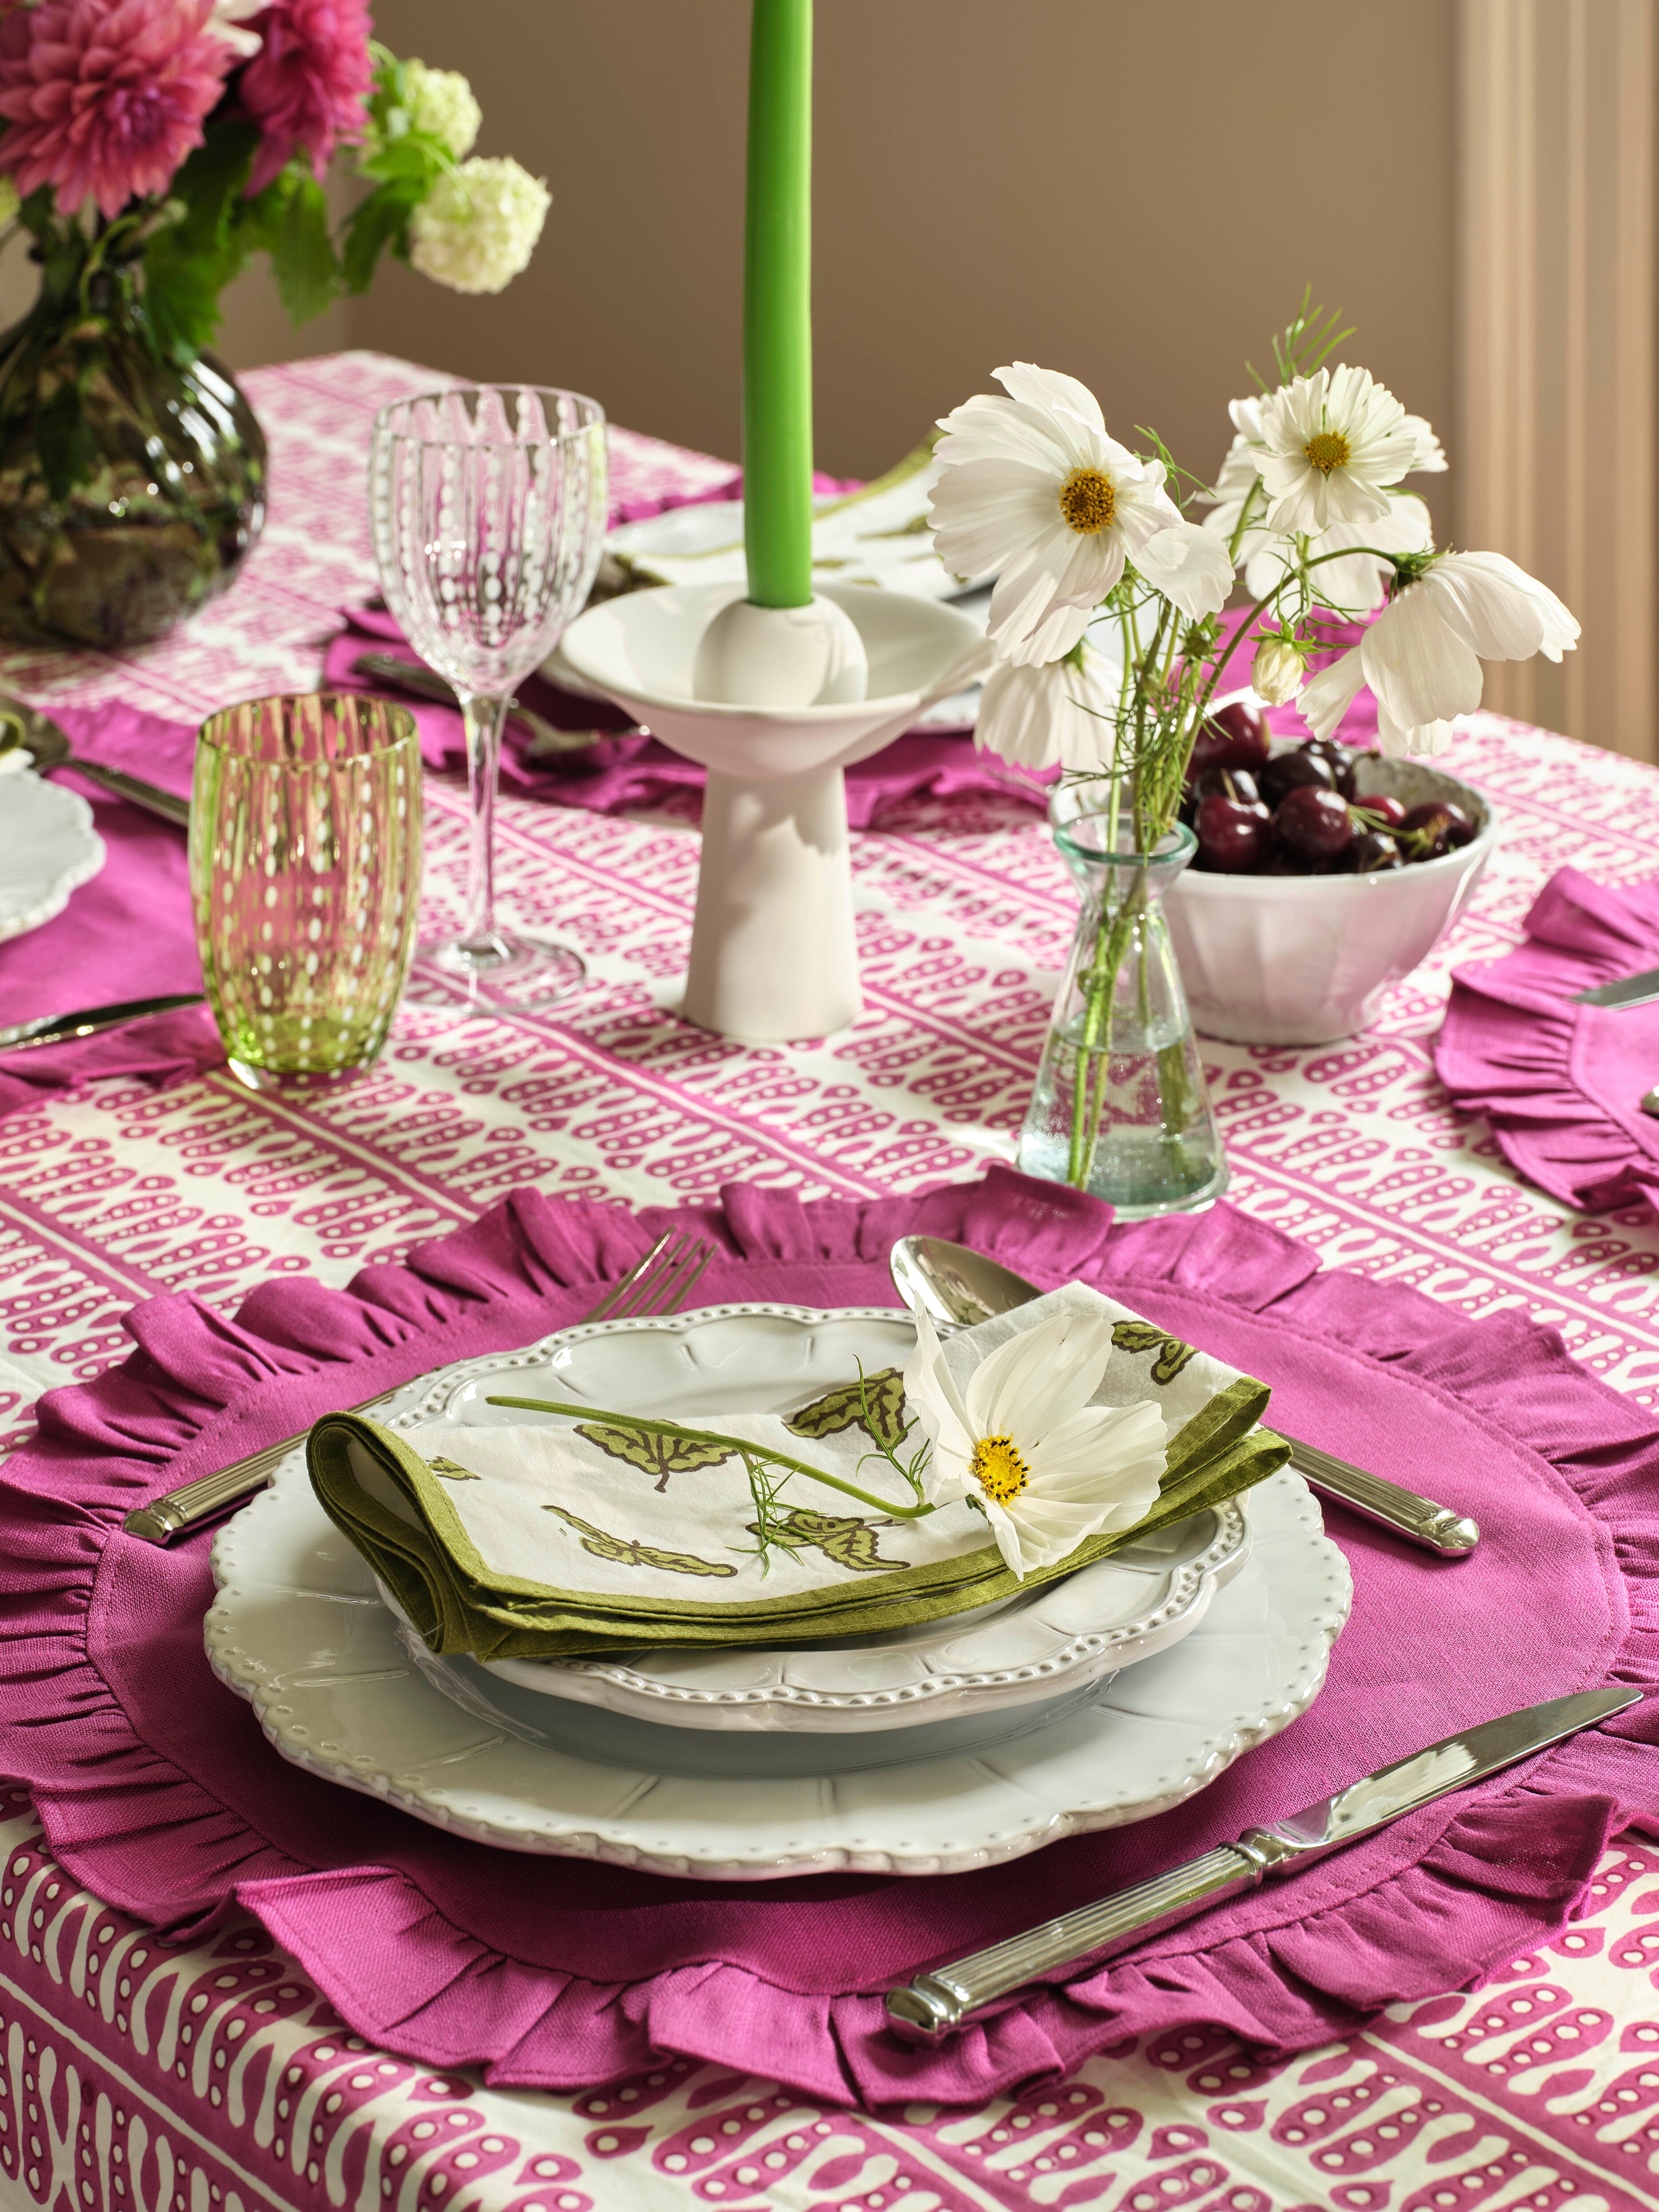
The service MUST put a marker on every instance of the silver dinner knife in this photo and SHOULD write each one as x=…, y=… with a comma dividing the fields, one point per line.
x=960, y=1287
x=936, y=2003
x=1629, y=991
x=58, y=1028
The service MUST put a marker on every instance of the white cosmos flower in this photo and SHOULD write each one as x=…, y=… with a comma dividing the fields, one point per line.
x=1422, y=655
x=1039, y=717
x=1332, y=443
x=1049, y=1468
x=1031, y=489
x=1266, y=556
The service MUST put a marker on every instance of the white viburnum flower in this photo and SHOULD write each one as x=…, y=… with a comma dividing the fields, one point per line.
x=441, y=101
x=1041, y=718
x=1031, y=489
x=1276, y=672
x=1333, y=445
x=227, y=21
x=477, y=229
x=1049, y=1470
x=1422, y=655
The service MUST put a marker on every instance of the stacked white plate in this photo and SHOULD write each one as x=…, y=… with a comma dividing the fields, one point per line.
x=1094, y=1701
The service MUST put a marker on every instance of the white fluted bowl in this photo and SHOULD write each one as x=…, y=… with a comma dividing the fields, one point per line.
x=1307, y=959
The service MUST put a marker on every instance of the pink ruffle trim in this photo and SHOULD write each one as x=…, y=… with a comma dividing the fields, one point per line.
x=1430, y=1905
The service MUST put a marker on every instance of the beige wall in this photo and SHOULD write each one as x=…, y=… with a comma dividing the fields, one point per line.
x=1136, y=195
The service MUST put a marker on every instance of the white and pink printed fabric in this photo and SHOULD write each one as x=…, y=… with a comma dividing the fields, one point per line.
x=211, y=2069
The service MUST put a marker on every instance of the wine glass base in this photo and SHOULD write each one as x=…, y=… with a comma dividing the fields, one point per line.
x=504, y=970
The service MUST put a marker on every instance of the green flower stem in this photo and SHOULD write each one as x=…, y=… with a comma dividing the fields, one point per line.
x=650, y=1426
x=1094, y=1051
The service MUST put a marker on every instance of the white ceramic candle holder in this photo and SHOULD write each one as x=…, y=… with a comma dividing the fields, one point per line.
x=772, y=956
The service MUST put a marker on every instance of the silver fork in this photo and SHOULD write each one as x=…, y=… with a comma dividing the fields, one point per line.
x=658, y=1284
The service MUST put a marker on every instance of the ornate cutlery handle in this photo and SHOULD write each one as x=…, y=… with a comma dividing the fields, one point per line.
x=1437, y=1527
x=931, y=2004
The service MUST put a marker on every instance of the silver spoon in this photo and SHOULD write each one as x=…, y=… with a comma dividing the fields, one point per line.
x=958, y=1288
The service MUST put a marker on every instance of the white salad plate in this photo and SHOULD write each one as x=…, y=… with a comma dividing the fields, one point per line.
x=48, y=848
x=340, y=1687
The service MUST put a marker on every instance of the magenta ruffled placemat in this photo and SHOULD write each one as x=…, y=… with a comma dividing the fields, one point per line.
x=1562, y=1085
x=161, y=1795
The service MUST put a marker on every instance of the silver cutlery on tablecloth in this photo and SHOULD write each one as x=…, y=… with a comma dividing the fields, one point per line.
x=938, y=2000
x=1628, y=991
x=959, y=1286
x=660, y=1283
x=426, y=683
x=59, y=1029
x=49, y=748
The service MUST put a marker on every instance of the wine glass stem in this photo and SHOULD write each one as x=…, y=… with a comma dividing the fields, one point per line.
x=484, y=718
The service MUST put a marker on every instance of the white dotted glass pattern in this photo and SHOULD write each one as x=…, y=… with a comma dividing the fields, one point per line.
x=489, y=505
x=305, y=871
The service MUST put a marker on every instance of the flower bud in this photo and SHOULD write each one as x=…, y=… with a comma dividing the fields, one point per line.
x=1277, y=675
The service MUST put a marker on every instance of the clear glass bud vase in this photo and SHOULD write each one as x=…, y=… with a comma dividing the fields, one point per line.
x=1121, y=1107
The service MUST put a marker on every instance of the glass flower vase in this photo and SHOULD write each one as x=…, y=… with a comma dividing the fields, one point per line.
x=131, y=487
x=1121, y=1107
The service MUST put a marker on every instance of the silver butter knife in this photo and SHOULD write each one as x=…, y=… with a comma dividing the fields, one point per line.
x=936, y=2003
x=59, y=1029
x=960, y=1287
x=1629, y=991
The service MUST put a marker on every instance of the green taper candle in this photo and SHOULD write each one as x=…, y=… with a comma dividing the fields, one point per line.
x=777, y=307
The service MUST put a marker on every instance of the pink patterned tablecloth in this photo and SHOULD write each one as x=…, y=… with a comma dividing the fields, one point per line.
x=144, y=2078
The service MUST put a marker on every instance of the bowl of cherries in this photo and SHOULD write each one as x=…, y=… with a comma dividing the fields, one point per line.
x=1323, y=875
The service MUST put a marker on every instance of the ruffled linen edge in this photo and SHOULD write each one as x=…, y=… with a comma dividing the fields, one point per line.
x=1506, y=1047
x=1504, y=1874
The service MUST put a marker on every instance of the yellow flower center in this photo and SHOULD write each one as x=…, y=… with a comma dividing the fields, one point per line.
x=998, y=1469
x=1329, y=450
x=1088, y=501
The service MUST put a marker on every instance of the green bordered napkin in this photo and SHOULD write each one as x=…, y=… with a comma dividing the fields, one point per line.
x=551, y=1542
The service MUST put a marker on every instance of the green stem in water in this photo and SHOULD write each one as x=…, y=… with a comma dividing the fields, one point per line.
x=650, y=1426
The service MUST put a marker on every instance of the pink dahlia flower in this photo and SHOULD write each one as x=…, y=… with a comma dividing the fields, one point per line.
x=106, y=96
x=305, y=88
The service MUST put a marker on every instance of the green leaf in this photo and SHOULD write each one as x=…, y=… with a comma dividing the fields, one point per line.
x=626, y=1552
x=379, y=221
x=874, y=1404
x=67, y=450
x=1142, y=1336
x=656, y=1455
x=302, y=253
x=845, y=1540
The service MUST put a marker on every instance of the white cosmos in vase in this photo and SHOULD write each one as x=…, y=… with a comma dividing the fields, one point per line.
x=1079, y=530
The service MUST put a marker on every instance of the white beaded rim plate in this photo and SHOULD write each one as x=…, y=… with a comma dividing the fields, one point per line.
x=769, y=1358
x=48, y=849
x=298, y=1630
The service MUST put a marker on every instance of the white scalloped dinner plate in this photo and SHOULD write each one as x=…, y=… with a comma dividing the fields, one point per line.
x=298, y=1630
x=1036, y=1648
x=48, y=849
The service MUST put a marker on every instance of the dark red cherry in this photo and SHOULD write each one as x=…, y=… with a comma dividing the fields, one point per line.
x=1338, y=758
x=1371, y=851
x=1234, y=736
x=1439, y=826
x=1312, y=824
x=1231, y=782
x=1288, y=772
x=1387, y=811
x=1234, y=835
